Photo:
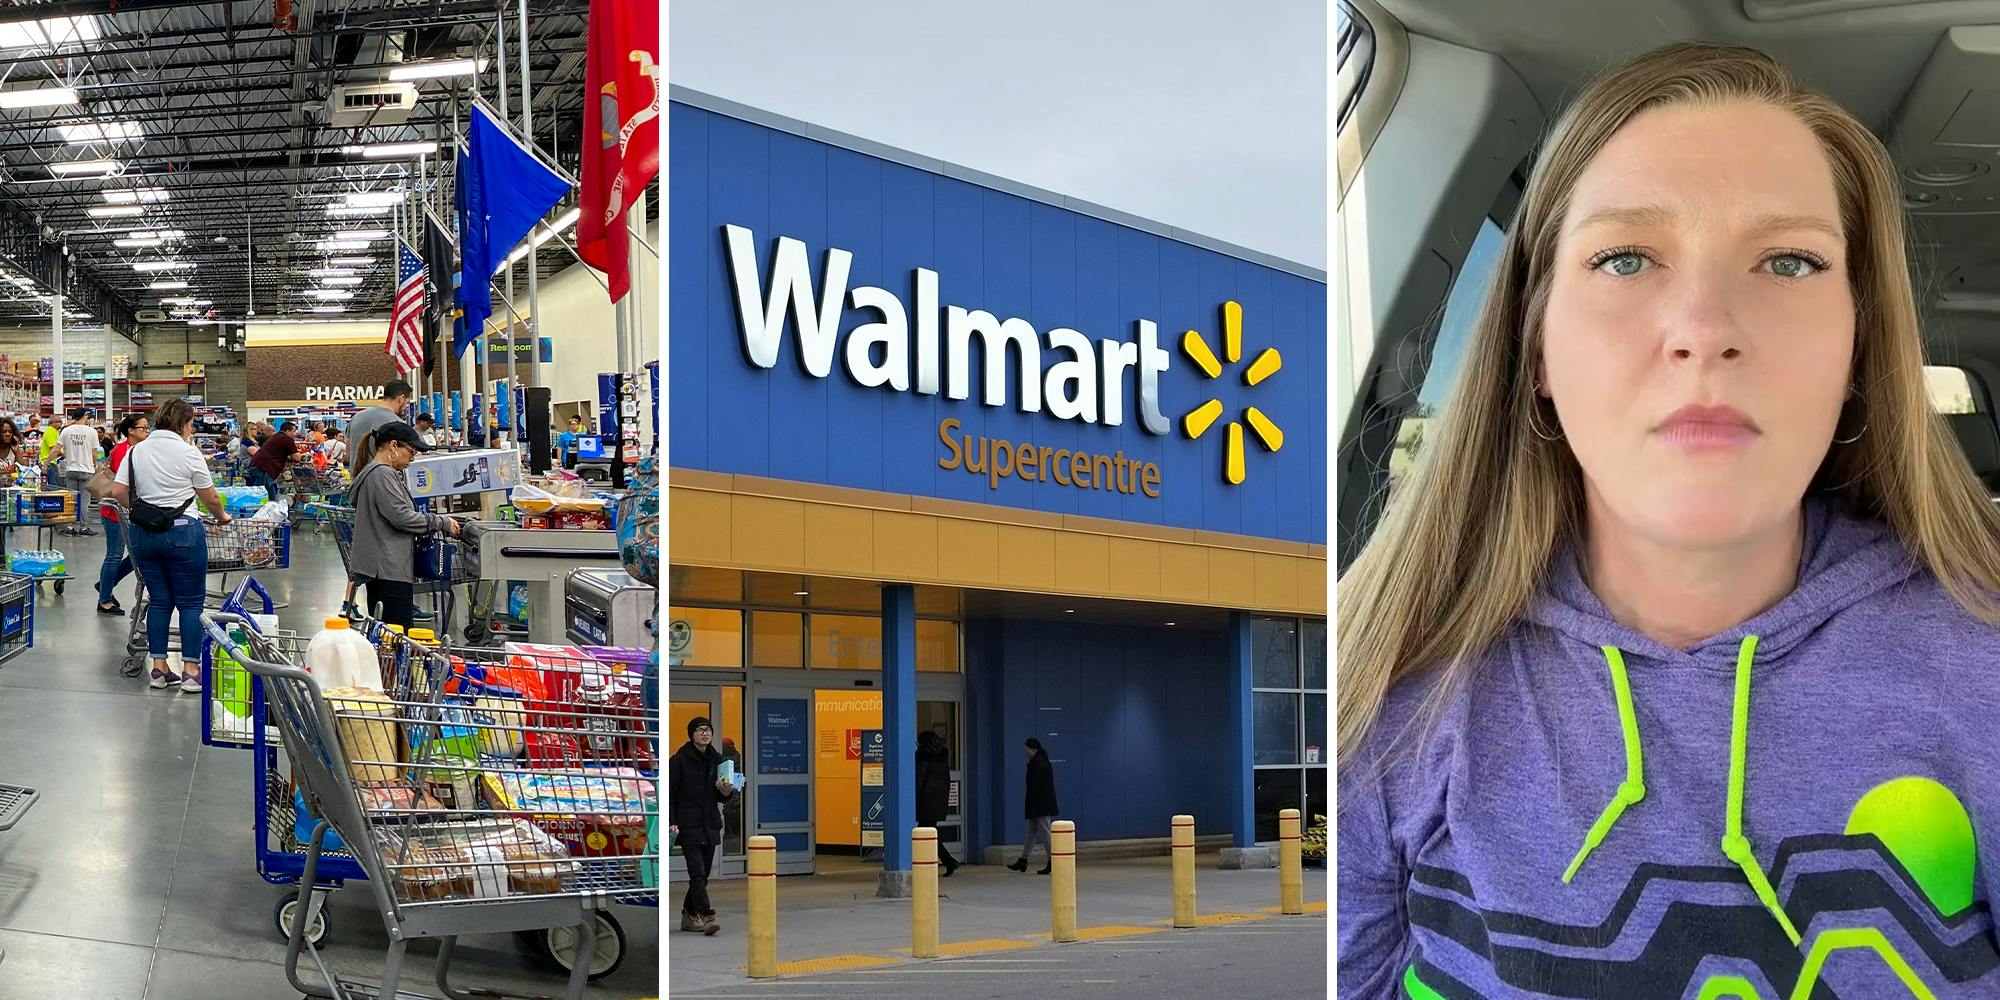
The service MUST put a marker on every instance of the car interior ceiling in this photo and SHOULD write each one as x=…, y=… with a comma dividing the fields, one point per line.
x=1486, y=80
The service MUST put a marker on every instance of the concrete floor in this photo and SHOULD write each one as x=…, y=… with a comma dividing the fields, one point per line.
x=134, y=877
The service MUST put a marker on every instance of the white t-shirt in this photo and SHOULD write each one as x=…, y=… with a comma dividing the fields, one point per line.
x=79, y=445
x=335, y=449
x=171, y=469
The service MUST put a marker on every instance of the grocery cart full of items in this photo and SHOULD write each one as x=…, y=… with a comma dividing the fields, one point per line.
x=17, y=636
x=40, y=511
x=471, y=790
x=260, y=541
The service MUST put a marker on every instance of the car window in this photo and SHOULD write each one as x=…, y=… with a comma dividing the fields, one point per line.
x=1951, y=389
x=1354, y=44
x=1461, y=307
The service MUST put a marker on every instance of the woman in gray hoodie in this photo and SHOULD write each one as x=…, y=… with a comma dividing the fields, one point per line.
x=383, y=553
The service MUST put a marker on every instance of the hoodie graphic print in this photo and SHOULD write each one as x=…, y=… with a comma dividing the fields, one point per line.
x=1806, y=806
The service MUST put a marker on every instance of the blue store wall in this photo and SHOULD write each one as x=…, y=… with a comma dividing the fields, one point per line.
x=1133, y=717
x=994, y=251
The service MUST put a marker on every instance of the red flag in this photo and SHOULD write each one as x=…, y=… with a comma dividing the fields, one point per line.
x=622, y=84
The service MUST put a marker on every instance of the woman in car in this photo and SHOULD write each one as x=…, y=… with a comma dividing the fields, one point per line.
x=1671, y=671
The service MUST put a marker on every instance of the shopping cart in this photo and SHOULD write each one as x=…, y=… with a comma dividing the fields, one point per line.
x=239, y=546
x=311, y=488
x=477, y=795
x=17, y=636
x=443, y=564
x=42, y=512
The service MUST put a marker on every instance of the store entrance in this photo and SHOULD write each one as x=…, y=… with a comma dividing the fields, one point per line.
x=843, y=798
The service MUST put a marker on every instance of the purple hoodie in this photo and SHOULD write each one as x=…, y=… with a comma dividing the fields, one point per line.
x=1807, y=805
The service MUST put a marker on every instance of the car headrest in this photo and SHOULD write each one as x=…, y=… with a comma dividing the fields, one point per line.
x=1980, y=438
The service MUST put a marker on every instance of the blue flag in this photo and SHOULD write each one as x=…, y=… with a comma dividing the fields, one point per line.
x=506, y=192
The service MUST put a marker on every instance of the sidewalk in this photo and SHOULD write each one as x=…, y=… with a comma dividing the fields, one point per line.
x=834, y=920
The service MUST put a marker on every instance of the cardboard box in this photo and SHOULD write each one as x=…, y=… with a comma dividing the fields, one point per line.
x=452, y=473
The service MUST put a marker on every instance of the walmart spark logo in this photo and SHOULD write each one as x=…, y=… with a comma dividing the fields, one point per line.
x=1201, y=418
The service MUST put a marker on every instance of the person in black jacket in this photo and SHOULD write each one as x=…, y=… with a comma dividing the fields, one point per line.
x=1041, y=806
x=934, y=790
x=695, y=793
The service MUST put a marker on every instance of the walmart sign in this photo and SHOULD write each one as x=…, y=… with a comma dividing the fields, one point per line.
x=846, y=319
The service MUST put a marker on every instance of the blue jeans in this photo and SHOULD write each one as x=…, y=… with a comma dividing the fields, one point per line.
x=254, y=476
x=174, y=564
x=117, y=566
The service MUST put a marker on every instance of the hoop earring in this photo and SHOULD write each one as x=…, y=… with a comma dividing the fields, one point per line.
x=1534, y=422
x=1853, y=393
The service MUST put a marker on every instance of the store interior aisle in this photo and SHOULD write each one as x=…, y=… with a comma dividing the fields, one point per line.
x=134, y=876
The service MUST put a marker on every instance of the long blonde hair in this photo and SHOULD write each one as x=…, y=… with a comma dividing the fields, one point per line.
x=1491, y=498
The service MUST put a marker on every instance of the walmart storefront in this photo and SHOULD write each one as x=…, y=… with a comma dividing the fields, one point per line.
x=953, y=454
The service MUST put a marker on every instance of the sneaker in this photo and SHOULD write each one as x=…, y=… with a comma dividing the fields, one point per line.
x=110, y=609
x=160, y=680
x=191, y=684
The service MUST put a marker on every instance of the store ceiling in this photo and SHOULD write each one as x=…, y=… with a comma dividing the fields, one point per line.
x=217, y=117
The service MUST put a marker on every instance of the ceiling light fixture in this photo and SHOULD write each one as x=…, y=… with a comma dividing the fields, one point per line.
x=158, y=285
x=373, y=199
x=437, y=70
x=135, y=195
x=161, y=265
x=352, y=262
x=139, y=241
x=38, y=97
x=113, y=211
x=88, y=132
x=387, y=150
x=343, y=244
x=340, y=281
x=363, y=234
x=86, y=167
x=327, y=293
x=49, y=32
x=329, y=309
x=357, y=211
x=331, y=272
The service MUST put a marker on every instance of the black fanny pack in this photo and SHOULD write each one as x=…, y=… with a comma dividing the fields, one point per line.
x=148, y=515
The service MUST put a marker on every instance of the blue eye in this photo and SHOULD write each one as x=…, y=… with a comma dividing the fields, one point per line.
x=1791, y=265
x=1620, y=263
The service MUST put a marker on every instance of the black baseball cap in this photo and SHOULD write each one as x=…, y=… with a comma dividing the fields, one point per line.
x=396, y=430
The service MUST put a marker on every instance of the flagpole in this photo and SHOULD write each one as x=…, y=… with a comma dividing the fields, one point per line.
x=534, y=263
x=500, y=36
x=424, y=235
x=483, y=362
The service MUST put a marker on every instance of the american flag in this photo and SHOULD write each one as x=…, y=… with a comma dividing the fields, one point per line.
x=406, y=339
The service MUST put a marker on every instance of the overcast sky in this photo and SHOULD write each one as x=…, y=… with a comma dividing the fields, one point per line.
x=1188, y=112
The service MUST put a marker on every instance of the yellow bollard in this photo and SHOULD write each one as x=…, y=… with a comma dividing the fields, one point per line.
x=924, y=892
x=1183, y=871
x=1062, y=862
x=1291, y=874
x=763, y=907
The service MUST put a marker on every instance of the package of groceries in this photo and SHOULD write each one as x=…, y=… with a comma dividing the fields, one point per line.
x=514, y=858
x=365, y=721
x=396, y=801
x=426, y=868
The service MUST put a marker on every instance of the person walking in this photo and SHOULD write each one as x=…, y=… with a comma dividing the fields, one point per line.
x=934, y=790
x=1041, y=806
x=383, y=553
x=76, y=451
x=117, y=564
x=695, y=793
x=158, y=483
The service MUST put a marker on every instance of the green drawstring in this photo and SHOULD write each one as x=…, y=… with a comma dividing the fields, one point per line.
x=1630, y=791
x=1734, y=844
x=1633, y=788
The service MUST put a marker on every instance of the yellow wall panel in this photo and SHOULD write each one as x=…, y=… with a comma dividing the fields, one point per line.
x=767, y=533
x=969, y=552
x=1277, y=581
x=906, y=546
x=697, y=527
x=840, y=541
x=1028, y=557
x=1083, y=564
x=1312, y=586
x=1232, y=576
x=1135, y=566
x=1184, y=573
